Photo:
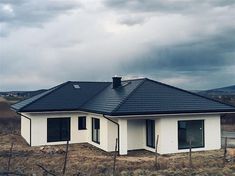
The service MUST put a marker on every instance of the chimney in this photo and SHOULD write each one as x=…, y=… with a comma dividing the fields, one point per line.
x=116, y=82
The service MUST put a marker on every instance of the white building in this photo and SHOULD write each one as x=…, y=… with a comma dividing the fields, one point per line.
x=135, y=112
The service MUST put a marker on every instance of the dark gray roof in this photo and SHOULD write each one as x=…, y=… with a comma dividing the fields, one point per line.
x=155, y=97
x=63, y=97
x=110, y=99
x=141, y=96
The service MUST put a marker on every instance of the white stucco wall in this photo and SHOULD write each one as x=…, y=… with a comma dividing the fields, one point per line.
x=167, y=129
x=108, y=130
x=112, y=135
x=25, y=129
x=135, y=134
x=132, y=131
x=168, y=135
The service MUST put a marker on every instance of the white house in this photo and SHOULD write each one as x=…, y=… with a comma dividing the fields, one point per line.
x=133, y=111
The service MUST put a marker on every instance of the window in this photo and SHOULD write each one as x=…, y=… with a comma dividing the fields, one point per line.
x=190, y=130
x=58, y=129
x=96, y=130
x=150, y=133
x=82, y=123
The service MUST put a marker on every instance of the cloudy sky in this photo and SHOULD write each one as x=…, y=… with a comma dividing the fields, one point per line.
x=186, y=43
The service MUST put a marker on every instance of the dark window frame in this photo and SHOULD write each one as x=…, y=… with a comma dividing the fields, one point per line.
x=60, y=123
x=151, y=143
x=96, y=127
x=82, y=123
x=203, y=134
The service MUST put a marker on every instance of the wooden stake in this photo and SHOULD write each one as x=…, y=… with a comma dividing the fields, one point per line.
x=65, y=158
x=225, y=151
x=115, y=157
x=10, y=156
x=156, y=154
x=190, y=153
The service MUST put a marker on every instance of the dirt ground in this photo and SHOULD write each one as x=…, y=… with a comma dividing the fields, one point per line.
x=84, y=159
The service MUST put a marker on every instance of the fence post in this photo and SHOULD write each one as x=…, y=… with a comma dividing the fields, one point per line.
x=65, y=158
x=10, y=156
x=156, y=154
x=225, y=151
x=190, y=154
x=115, y=157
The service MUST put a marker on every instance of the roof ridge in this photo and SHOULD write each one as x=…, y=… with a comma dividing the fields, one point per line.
x=192, y=93
x=49, y=92
x=125, y=99
x=89, y=81
x=94, y=96
x=133, y=79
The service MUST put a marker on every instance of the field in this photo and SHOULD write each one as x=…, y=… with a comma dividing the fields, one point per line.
x=83, y=159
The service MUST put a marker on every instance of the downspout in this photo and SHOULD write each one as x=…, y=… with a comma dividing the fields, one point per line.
x=30, y=124
x=118, y=131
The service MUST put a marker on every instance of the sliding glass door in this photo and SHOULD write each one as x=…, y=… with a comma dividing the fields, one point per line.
x=96, y=130
x=150, y=133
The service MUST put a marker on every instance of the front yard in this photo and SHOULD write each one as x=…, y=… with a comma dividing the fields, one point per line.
x=83, y=159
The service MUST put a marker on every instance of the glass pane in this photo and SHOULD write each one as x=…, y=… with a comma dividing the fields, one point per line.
x=150, y=133
x=190, y=130
x=96, y=130
x=98, y=136
x=81, y=123
x=195, y=133
x=65, y=129
x=53, y=130
x=58, y=129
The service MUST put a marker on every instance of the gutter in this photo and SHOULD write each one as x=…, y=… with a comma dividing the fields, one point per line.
x=118, y=131
x=30, y=128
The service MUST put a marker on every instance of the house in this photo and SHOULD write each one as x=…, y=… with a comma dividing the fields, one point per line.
x=133, y=111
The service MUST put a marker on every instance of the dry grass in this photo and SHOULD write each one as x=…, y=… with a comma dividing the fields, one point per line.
x=5, y=111
x=88, y=160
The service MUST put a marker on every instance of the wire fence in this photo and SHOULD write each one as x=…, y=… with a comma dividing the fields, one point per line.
x=190, y=161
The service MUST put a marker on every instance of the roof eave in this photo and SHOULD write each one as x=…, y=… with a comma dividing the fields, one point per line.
x=153, y=113
x=173, y=112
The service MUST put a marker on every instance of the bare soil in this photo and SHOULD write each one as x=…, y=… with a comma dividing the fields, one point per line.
x=84, y=159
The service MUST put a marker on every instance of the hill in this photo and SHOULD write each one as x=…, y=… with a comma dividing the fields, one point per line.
x=5, y=110
x=230, y=90
x=15, y=96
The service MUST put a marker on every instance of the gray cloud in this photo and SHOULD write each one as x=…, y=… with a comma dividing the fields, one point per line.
x=186, y=43
x=208, y=54
x=168, y=6
x=20, y=13
x=132, y=20
x=208, y=59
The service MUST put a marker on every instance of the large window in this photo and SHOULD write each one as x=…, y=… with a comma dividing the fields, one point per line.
x=150, y=133
x=190, y=130
x=58, y=129
x=82, y=123
x=96, y=130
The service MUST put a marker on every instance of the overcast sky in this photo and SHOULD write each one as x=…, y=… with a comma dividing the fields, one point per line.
x=185, y=43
